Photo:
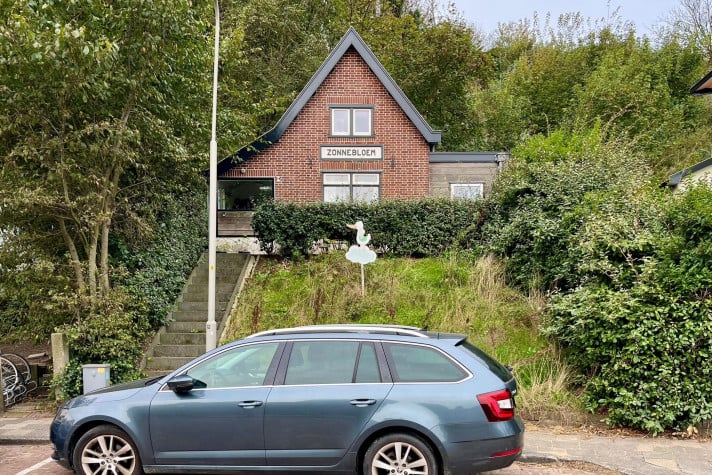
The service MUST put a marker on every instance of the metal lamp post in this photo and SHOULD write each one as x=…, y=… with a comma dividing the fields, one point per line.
x=210, y=325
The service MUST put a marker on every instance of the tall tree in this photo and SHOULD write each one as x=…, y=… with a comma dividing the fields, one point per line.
x=93, y=92
x=692, y=20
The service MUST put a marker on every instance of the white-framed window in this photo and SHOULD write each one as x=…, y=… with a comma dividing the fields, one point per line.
x=466, y=191
x=351, y=121
x=350, y=186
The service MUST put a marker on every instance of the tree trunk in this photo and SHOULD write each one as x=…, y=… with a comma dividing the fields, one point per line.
x=74, y=257
x=104, y=262
x=91, y=264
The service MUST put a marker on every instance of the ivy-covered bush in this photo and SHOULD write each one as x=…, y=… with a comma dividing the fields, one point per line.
x=639, y=326
x=425, y=227
x=155, y=275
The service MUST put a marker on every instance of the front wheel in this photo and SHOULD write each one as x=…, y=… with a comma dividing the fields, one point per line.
x=399, y=454
x=106, y=450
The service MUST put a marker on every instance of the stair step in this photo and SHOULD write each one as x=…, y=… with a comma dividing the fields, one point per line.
x=186, y=327
x=220, y=287
x=201, y=306
x=167, y=362
x=191, y=351
x=170, y=338
x=203, y=296
x=224, y=271
x=194, y=316
x=230, y=257
x=225, y=261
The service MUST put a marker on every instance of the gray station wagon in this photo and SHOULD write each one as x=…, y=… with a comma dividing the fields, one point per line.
x=367, y=399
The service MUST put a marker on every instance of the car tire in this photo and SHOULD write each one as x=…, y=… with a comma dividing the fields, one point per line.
x=402, y=454
x=106, y=449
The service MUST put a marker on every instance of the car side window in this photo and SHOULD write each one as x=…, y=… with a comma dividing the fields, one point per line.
x=332, y=362
x=367, y=369
x=242, y=366
x=419, y=364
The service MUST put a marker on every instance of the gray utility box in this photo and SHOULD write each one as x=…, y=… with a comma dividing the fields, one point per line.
x=95, y=376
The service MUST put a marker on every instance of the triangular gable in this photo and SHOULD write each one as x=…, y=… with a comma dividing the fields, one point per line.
x=350, y=39
x=675, y=179
x=703, y=86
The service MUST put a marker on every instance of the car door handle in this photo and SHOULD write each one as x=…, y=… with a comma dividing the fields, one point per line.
x=249, y=404
x=363, y=402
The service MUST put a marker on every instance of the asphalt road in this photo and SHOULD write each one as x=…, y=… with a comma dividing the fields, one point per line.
x=34, y=459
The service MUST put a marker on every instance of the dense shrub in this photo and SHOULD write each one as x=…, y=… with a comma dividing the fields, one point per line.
x=640, y=325
x=112, y=333
x=541, y=200
x=425, y=227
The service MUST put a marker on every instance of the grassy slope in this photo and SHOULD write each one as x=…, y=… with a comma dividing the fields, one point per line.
x=452, y=294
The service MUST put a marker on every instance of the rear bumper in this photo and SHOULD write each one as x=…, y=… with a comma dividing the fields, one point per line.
x=466, y=458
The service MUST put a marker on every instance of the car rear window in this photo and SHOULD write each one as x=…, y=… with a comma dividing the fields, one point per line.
x=419, y=364
x=494, y=366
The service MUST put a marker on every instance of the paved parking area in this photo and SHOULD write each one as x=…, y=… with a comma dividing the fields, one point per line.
x=34, y=460
x=28, y=459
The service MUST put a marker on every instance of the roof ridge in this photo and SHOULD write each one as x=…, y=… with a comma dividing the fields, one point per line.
x=350, y=39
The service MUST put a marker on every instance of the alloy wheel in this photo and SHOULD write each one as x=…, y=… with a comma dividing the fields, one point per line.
x=399, y=458
x=108, y=454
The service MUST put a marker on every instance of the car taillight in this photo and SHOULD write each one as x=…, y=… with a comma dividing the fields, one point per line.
x=508, y=453
x=498, y=406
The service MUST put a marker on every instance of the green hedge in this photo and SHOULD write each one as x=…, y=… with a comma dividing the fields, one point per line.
x=639, y=327
x=425, y=227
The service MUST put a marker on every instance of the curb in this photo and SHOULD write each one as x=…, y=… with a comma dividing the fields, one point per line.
x=16, y=441
x=539, y=458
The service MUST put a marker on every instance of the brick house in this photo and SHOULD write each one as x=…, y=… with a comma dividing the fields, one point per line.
x=701, y=171
x=350, y=135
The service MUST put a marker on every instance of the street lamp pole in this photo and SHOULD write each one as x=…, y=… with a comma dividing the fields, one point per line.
x=210, y=325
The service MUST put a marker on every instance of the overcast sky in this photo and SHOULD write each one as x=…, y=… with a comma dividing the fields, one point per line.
x=485, y=14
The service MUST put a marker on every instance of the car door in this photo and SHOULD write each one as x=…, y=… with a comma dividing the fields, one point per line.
x=329, y=391
x=220, y=421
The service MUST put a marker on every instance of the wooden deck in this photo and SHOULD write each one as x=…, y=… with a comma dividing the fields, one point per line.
x=235, y=223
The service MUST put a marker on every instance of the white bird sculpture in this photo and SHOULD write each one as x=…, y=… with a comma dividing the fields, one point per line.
x=361, y=237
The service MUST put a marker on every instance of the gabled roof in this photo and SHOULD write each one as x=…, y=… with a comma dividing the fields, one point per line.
x=350, y=40
x=703, y=86
x=675, y=179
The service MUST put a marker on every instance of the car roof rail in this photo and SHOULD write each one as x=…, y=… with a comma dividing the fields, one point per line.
x=348, y=328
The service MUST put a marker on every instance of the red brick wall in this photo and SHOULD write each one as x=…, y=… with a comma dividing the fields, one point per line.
x=294, y=161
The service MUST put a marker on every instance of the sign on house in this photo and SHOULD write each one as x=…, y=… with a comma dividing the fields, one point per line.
x=340, y=152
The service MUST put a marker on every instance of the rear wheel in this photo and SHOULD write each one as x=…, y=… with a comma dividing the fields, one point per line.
x=106, y=450
x=399, y=454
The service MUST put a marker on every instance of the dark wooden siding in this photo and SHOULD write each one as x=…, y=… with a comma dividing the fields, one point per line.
x=235, y=223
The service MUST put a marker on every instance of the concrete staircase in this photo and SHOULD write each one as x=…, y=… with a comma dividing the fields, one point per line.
x=183, y=338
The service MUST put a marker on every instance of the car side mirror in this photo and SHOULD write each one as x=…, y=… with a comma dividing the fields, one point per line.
x=181, y=384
